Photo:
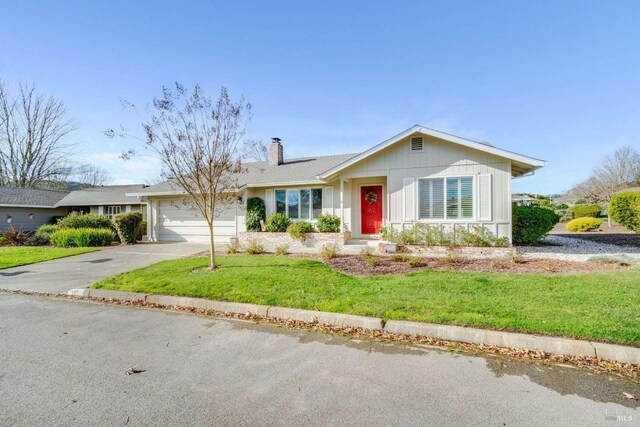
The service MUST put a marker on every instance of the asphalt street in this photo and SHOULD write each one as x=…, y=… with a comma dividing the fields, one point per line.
x=63, y=362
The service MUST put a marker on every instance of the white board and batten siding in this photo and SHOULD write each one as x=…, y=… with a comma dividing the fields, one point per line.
x=172, y=220
x=402, y=169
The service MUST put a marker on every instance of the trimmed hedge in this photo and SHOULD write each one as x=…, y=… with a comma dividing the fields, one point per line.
x=532, y=223
x=328, y=224
x=584, y=224
x=127, y=225
x=82, y=237
x=80, y=220
x=277, y=223
x=38, y=239
x=298, y=230
x=582, y=211
x=625, y=209
x=255, y=213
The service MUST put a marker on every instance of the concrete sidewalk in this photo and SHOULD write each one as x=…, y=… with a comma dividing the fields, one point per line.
x=80, y=271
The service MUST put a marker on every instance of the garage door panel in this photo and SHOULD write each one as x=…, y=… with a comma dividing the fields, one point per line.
x=177, y=222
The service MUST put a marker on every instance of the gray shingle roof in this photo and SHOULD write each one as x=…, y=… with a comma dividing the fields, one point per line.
x=15, y=196
x=104, y=195
x=304, y=169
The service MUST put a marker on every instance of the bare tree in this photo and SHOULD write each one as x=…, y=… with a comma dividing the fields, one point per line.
x=616, y=172
x=33, y=132
x=198, y=141
x=256, y=150
x=90, y=175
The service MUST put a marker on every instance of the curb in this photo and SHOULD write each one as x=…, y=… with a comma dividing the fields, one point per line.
x=478, y=336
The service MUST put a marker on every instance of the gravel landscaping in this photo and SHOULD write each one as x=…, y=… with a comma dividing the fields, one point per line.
x=577, y=249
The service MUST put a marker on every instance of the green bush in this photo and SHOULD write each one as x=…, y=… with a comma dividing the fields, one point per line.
x=255, y=213
x=581, y=211
x=80, y=220
x=532, y=223
x=328, y=223
x=47, y=229
x=433, y=235
x=38, y=239
x=625, y=209
x=298, y=230
x=584, y=224
x=277, y=223
x=282, y=249
x=82, y=237
x=127, y=225
x=142, y=230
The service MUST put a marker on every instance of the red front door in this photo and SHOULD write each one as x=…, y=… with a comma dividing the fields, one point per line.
x=371, y=204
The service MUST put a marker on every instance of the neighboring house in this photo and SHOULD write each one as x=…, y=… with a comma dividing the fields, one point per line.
x=29, y=208
x=522, y=199
x=420, y=175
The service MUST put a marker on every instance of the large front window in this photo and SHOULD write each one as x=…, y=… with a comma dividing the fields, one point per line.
x=445, y=198
x=113, y=211
x=300, y=203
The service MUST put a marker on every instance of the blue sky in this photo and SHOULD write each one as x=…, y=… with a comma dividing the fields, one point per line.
x=555, y=80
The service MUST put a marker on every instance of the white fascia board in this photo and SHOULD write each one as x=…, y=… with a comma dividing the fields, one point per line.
x=285, y=183
x=533, y=162
x=167, y=193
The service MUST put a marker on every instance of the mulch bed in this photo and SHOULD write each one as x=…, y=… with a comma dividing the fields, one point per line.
x=356, y=265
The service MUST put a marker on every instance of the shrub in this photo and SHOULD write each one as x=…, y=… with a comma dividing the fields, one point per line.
x=401, y=257
x=2, y=240
x=298, y=230
x=415, y=262
x=233, y=248
x=581, y=211
x=82, y=237
x=328, y=224
x=625, y=209
x=142, y=230
x=38, y=239
x=480, y=236
x=254, y=248
x=372, y=261
x=329, y=251
x=277, y=223
x=14, y=237
x=564, y=214
x=255, y=213
x=48, y=229
x=80, y=220
x=532, y=223
x=584, y=224
x=282, y=249
x=452, y=257
x=127, y=225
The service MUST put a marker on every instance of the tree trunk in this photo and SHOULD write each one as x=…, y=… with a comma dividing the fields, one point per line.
x=212, y=255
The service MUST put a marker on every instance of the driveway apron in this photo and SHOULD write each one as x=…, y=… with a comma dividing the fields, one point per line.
x=81, y=271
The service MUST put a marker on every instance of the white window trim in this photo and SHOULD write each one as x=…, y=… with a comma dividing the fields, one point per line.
x=286, y=202
x=474, y=216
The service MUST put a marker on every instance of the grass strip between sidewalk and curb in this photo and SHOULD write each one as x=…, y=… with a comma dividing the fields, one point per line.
x=594, y=306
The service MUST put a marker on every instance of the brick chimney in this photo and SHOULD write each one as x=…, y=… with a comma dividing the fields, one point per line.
x=276, y=156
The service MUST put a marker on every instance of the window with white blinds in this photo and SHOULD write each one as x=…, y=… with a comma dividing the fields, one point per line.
x=299, y=203
x=445, y=198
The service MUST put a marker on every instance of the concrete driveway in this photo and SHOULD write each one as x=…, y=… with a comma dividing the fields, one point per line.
x=81, y=271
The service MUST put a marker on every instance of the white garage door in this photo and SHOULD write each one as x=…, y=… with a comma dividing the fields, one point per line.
x=177, y=222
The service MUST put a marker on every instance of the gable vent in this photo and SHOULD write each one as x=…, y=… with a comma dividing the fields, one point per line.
x=416, y=144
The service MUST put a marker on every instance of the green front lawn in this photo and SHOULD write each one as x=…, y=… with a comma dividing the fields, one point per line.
x=13, y=256
x=603, y=306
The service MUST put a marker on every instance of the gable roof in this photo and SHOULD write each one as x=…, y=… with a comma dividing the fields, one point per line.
x=103, y=195
x=30, y=197
x=300, y=171
x=521, y=164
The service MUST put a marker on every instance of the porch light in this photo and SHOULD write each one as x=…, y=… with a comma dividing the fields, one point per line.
x=9, y=219
x=30, y=216
x=239, y=200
